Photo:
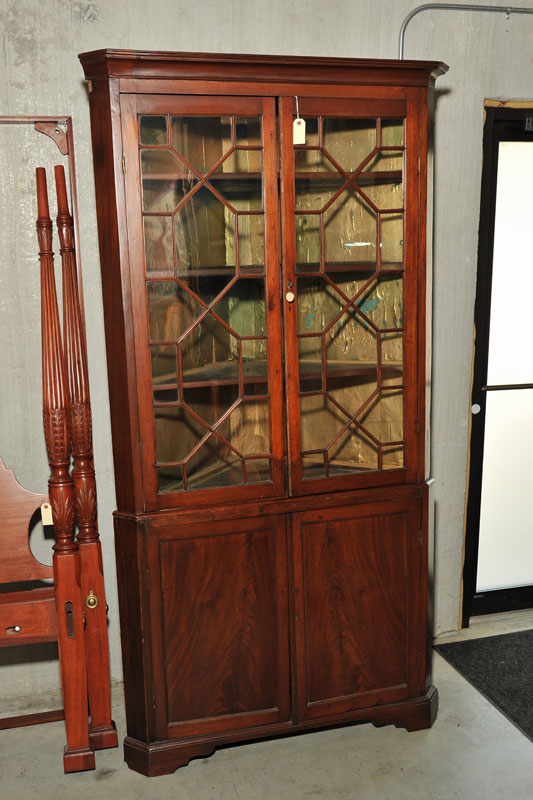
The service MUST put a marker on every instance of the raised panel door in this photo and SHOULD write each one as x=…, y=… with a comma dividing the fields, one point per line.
x=221, y=607
x=357, y=602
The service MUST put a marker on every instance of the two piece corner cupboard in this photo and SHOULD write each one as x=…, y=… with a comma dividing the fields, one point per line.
x=263, y=241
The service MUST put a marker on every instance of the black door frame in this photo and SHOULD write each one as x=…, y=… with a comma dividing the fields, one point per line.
x=502, y=123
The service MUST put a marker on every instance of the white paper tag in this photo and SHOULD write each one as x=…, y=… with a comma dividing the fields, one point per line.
x=298, y=131
x=46, y=514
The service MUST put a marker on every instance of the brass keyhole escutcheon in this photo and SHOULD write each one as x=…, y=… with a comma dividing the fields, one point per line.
x=91, y=601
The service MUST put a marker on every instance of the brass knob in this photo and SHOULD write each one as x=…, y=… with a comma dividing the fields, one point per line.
x=289, y=297
x=91, y=601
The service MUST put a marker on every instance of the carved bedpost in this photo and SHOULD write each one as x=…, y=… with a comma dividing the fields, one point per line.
x=103, y=732
x=79, y=754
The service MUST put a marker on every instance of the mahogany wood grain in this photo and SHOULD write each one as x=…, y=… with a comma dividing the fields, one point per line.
x=111, y=216
x=163, y=758
x=103, y=731
x=354, y=604
x=17, y=562
x=79, y=754
x=257, y=68
x=225, y=634
x=28, y=617
x=23, y=720
x=220, y=608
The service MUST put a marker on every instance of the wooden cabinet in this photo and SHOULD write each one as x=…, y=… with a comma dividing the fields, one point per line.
x=265, y=308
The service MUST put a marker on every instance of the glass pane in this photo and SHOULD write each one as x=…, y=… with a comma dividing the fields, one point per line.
x=176, y=433
x=385, y=161
x=170, y=479
x=242, y=307
x=205, y=233
x=352, y=451
x=310, y=363
x=349, y=141
x=510, y=358
x=391, y=240
x=313, y=466
x=351, y=341
x=207, y=350
x=382, y=303
x=158, y=246
x=209, y=402
x=215, y=429
x=171, y=310
x=163, y=196
x=258, y=470
x=392, y=132
x=242, y=194
x=153, y=130
x=318, y=304
x=206, y=287
x=248, y=132
x=350, y=230
x=321, y=421
x=383, y=417
x=247, y=428
x=384, y=193
x=202, y=141
x=393, y=457
x=165, y=164
x=312, y=194
x=164, y=373
x=307, y=242
x=251, y=242
x=239, y=162
x=391, y=358
x=214, y=465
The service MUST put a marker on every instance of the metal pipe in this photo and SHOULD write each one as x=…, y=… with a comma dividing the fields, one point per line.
x=507, y=10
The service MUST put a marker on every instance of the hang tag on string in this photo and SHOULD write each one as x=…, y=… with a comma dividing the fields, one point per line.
x=298, y=127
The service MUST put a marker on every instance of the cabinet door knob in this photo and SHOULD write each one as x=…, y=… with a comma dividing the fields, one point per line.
x=289, y=297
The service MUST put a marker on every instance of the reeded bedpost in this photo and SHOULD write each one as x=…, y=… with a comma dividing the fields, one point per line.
x=79, y=754
x=103, y=732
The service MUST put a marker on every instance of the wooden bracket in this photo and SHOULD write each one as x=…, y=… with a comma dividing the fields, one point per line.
x=55, y=131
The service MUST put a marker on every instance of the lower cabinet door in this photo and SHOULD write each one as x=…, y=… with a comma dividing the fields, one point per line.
x=358, y=608
x=222, y=661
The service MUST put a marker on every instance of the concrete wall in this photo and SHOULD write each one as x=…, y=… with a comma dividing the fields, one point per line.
x=488, y=55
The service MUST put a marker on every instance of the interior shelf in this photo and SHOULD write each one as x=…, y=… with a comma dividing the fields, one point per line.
x=363, y=179
x=314, y=267
x=227, y=373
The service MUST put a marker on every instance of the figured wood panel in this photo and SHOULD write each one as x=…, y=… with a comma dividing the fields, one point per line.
x=356, y=606
x=225, y=626
x=17, y=562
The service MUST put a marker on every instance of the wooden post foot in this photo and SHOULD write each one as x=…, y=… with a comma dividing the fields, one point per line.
x=103, y=736
x=78, y=760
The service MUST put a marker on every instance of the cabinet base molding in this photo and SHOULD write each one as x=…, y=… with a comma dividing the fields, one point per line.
x=163, y=758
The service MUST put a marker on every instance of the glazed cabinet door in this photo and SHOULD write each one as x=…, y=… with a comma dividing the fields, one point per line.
x=219, y=626
x=350, y=210
x=358, y=606
x=202, y=215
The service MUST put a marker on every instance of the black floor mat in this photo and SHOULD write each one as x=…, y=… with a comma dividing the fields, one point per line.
x=501, y=668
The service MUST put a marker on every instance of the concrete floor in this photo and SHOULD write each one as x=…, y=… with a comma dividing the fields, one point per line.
x=471, y=753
